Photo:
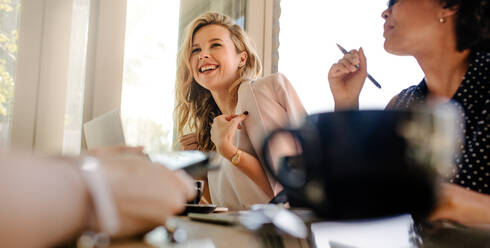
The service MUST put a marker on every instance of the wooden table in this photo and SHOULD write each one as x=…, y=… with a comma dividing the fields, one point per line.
x=431, y=235
x=222, y=236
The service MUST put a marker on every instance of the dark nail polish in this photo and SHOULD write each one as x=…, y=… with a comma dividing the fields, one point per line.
x=245, y=113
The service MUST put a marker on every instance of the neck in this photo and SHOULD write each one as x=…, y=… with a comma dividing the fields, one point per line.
x=226, y=100
x=444, y=67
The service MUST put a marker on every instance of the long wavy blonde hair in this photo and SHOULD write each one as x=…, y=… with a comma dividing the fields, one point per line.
x=196, y=108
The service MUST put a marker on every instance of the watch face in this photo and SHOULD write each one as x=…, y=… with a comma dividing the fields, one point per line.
x=236, y=158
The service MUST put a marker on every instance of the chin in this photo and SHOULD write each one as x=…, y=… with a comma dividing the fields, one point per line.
x=391, y=48
x=387, y=47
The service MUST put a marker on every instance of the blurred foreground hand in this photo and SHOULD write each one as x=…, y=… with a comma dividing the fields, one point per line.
x=46, y=202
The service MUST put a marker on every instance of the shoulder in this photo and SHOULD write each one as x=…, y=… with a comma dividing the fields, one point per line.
x=403, y=97
x=272, y=81
x=407, y=93
x=404, y=93
x=273, y=77
x=479, y=62
x=392, y=102
x=272, y=87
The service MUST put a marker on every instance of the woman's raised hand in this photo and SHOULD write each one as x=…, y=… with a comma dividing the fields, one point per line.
x=222, y=132
x=188, y=142
x=346, y=80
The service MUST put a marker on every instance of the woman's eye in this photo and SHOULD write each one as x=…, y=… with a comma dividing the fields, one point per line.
x=391, y=3
x=195, y=50
x=215, y=45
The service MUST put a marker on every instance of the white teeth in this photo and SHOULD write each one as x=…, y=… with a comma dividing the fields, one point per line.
x=207, y=68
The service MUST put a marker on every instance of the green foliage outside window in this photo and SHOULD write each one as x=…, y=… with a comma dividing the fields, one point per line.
x=8, y=54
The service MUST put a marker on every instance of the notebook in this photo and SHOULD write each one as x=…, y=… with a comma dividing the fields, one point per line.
x=105, y=130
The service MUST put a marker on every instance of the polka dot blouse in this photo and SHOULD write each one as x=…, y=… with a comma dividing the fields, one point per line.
x=472, y=97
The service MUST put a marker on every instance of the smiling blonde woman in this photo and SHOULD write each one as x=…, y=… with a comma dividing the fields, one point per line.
x=216, y=91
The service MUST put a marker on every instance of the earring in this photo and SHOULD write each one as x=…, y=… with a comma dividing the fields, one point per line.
x=442, y=20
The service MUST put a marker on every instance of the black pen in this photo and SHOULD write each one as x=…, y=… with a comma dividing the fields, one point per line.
x=357, y=66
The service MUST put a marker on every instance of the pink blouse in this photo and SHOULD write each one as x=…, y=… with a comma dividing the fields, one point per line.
x=272, y=103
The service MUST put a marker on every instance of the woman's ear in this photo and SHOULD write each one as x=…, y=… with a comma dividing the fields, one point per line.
x=243, y=58
x=449, y=11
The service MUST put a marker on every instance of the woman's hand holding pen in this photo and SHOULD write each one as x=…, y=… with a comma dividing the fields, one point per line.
x=223, y=131
x=346, y=80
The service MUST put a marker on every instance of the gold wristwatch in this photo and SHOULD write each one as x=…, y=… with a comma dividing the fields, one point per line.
x=236, y=157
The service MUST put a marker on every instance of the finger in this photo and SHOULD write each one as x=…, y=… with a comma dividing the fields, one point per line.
x=190, y=147
x=188, y=135
x=348, y=65
x=221, y=119
x=352, y=51
x=137, y=149
x=123, y=148
x=239, y=119
x=215, y=120
x=363, y=61
x=337, y=70
x=246, y=114
x=345, y=68
x=188, y=139
x=229, y=117
x=190, y=143
x=353, y=57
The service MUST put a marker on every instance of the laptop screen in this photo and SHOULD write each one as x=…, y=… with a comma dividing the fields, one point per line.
x=105, y=130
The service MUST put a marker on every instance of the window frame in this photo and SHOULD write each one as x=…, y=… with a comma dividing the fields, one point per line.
x=42, y=66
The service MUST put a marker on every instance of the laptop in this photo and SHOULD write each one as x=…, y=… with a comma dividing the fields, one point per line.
x=105, y=130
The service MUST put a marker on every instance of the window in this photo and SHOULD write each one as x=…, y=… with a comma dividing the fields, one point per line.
x=153, y=28
x=72, y=137
x=309, y=31
x=9, y=15
x=190, y=10
x=149, y=73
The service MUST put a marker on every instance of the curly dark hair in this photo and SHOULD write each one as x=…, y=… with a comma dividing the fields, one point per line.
x=472, y=23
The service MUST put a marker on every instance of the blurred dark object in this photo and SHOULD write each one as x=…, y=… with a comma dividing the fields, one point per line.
x=282, y=197
x=199, y=189
x=363, y=164
x=198, y=208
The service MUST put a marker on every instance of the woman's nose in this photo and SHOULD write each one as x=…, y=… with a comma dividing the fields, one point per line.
x=385, y=14
x=204, y=55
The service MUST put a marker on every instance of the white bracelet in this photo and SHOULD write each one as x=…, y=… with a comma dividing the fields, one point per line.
x=104, y=205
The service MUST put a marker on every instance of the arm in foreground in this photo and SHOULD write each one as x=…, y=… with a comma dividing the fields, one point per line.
x=46, y=202
x=463, y=206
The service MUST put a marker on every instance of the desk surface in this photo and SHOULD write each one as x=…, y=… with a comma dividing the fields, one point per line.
x=432, y=235
x=222, y=236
